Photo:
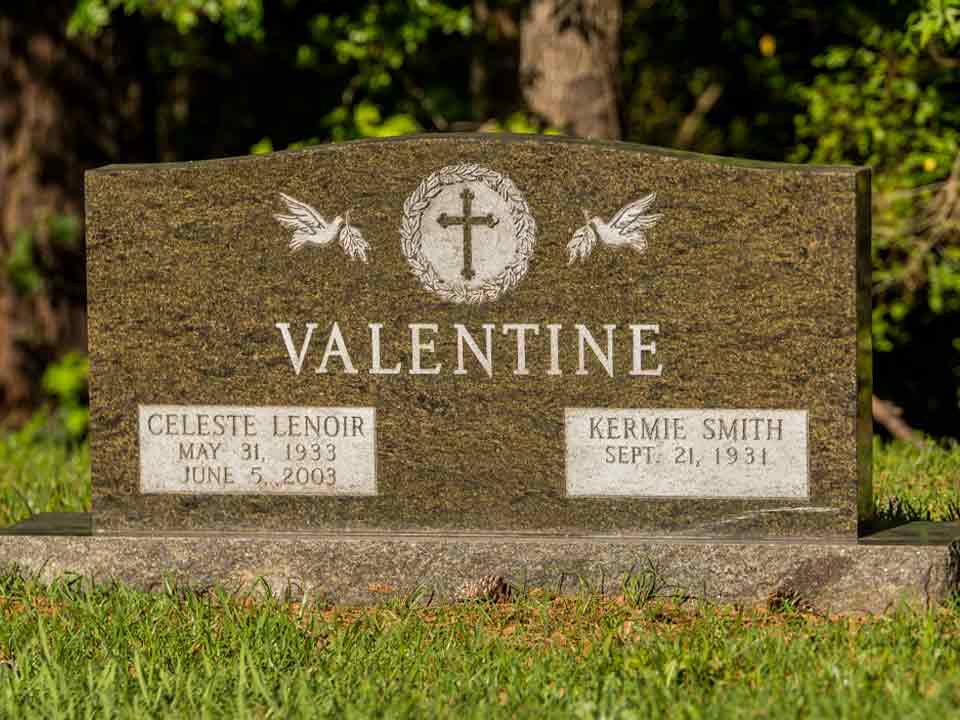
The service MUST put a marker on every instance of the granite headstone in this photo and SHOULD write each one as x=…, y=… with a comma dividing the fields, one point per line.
x=480, y=334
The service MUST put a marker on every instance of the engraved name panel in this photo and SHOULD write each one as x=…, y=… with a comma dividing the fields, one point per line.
x=219, y=449
x=686, y=453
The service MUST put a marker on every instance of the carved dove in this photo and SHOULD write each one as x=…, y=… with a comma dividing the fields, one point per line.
x=626, y=228
x=309, y=228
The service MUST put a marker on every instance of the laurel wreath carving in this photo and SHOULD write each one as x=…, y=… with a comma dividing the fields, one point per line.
x=411, y=236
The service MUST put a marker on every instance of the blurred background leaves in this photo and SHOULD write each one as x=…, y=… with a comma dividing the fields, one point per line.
x=88, y=82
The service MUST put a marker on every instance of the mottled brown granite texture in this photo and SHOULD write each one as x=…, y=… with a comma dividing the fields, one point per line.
x=905, y=567
x=757, y=277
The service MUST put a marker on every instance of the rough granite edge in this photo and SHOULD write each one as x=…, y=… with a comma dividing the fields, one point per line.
x=505, y=138
x=829, y=577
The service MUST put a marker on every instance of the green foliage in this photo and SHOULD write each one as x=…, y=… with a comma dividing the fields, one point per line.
x=359, y=68
x=21, y=268
x=520, y=123
x=64, y=231
x=373, y=42
x=887, y=107
x=24, y=265
x=875, y=105
x=382, y=35
x=40, y=471
x=66, y=381
x=240, y=18
x=807, y=80
x=726, y=87
x=935, y=21
x=376, y=41
x=888, y=103
x=365, y=121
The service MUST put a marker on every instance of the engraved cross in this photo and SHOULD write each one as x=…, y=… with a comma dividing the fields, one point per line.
x=468, y=221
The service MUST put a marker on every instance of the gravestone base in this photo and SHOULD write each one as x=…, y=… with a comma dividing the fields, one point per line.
x=914, y=564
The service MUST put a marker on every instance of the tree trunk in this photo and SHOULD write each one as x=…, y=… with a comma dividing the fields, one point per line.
x=495, y=56
x=569, y=59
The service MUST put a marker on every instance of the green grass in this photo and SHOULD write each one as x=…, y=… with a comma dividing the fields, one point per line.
x=917, y=484
x=113, y=652
x=108, y=651
x=40, y=471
